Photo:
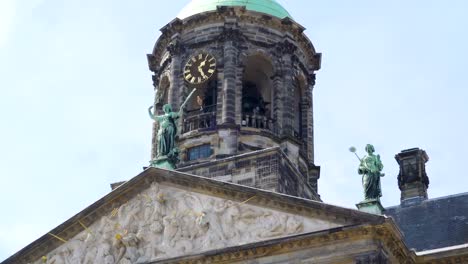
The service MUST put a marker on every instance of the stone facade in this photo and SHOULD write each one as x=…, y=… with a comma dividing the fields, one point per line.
x=259, y=58
x=268, y=169
x=255, y=198
x=165, y=216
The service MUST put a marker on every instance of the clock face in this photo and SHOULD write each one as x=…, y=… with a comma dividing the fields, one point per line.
x=199, y=68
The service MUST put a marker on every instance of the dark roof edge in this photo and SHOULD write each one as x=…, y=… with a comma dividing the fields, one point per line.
x=432, y=200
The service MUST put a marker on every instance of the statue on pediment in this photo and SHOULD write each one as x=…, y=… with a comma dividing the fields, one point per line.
x=371, y=170
x=370, y=167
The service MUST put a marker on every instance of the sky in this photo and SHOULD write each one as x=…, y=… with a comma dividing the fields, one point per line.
x=75, y=87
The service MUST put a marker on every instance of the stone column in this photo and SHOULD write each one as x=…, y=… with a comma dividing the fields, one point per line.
x=278, y=103
x=227, y=127
x=177, y=85
x=286, y=50
x=229, y=83
x=154, y=145
x=238, y=89
x=220, y=94
x=310, y=119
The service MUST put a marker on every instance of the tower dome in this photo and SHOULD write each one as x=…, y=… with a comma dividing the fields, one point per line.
x=270, y=7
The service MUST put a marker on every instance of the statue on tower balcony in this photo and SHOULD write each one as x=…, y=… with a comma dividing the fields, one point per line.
x=168, y=153
x=370, y=167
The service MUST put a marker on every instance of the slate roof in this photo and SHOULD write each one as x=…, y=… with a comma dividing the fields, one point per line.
x=434, y=223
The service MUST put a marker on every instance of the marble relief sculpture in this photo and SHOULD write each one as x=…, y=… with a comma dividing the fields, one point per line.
x=166, y=223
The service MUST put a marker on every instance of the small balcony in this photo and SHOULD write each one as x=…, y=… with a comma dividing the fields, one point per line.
x=259, y=121
x=200, y=120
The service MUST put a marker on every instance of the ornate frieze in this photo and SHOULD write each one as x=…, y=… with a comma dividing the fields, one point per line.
x=164, y=222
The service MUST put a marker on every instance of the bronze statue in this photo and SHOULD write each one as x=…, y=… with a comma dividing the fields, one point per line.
x=167, y=129
x=370, y=168
x=167, y=150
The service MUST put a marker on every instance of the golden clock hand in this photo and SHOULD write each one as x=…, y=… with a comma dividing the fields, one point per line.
x=202, y=64
x=200, y=70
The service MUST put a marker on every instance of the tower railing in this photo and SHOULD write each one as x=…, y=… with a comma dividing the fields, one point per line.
x=259, y=121
x=200, y=119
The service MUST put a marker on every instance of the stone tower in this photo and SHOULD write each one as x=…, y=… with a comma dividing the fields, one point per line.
x=250, y=120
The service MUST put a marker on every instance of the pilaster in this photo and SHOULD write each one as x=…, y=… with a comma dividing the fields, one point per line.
x=229, y=36
x=176, y=49
x=278, y=103
x=310, y=119
x=286, y=50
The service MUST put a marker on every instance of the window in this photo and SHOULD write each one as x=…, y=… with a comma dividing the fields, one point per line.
x=199, y=152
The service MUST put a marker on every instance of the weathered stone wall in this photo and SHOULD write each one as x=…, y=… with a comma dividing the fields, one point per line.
x=268, y=169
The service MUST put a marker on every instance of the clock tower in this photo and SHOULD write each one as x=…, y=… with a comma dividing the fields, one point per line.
x=250, y=120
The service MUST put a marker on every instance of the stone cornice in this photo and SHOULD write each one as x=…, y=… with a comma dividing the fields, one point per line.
x=242, y=16
x=383, y=233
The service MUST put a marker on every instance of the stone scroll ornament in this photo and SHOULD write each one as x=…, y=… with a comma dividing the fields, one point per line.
x=370, y=167
x=167, y=153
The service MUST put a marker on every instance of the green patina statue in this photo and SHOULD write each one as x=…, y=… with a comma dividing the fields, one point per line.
x=168, y=153
x=370, y=168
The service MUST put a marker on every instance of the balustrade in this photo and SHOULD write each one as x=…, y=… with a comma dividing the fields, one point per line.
x=259, y=121
x=200, y=119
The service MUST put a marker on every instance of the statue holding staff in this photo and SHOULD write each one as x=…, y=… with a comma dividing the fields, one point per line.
x=168, y=130
x=370, y=168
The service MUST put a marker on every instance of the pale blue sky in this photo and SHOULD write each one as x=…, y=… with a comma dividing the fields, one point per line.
x=75, y=87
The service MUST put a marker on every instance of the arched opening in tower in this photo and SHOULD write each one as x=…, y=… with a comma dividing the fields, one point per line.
x=201, y=110
x=162, y=93
x=257, y=92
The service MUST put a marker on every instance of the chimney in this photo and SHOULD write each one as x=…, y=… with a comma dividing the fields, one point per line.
x=412, y=179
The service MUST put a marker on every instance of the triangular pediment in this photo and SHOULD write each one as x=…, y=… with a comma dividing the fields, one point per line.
x=165, y=214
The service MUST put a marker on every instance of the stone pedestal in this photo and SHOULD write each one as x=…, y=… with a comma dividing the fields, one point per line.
x=371, y=206
x=163, y=163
